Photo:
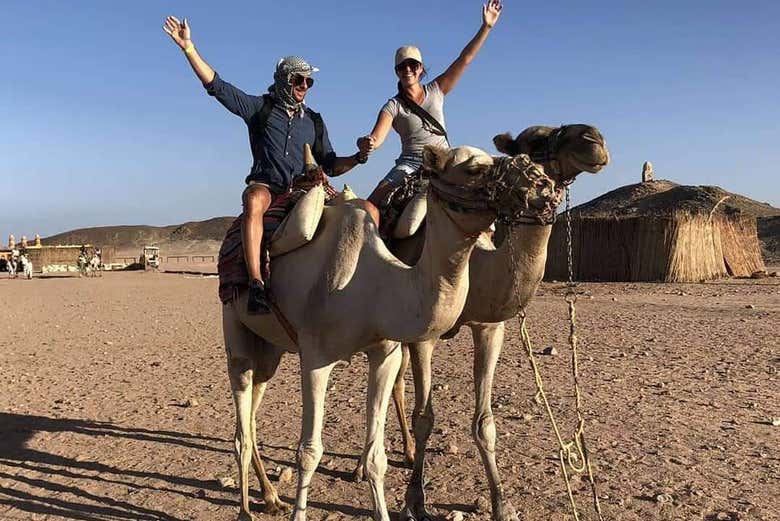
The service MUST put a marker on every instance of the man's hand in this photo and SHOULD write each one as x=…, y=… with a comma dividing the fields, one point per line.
x=178, y=31
x=490, y=12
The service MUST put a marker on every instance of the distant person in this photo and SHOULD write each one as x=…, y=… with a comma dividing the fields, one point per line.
x=279, y=125
x=416, y=112
x=83, y=251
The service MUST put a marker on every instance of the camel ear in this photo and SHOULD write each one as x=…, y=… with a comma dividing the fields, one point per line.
x=505, y=144
x=435, y=158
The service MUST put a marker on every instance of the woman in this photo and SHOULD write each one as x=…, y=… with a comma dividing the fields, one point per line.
x=417, y=111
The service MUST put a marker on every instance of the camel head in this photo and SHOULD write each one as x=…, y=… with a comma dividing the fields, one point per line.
x=513, y=188
x=564, y=152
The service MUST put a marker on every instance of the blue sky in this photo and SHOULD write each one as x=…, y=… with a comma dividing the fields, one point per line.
x=103, y=123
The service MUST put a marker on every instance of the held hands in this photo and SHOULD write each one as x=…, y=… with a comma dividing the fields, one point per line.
x=366, y=145
x=490, y=13
x=178, y=31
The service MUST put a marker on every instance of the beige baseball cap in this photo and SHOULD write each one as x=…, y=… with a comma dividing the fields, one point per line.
x=407, y=52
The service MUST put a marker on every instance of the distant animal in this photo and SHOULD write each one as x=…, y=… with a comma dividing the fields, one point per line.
x=93, y=268
x=27, y=266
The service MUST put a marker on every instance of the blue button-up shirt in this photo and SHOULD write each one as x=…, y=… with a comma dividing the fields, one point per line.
x=277, y=149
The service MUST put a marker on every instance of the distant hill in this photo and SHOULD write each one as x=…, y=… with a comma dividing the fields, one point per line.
x=206, y=236
x=192, y=237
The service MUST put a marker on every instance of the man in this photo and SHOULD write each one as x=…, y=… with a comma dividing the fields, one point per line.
x=276, y=136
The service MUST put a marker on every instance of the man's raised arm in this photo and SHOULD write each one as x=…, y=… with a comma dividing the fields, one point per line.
x=182, y=36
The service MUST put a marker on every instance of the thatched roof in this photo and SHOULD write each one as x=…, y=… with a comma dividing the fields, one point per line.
x=659, y=230
x=657, y=198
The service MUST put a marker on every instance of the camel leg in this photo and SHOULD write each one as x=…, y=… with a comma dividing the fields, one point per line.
x=422, y=423
x=239, y=345
x=384, y=361
x=314, y=382
x=400, y=410
x=266, y=361
x=488, y=339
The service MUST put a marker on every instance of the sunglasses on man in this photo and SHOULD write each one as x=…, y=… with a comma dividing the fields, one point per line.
x=410, y=64
x=300, y=79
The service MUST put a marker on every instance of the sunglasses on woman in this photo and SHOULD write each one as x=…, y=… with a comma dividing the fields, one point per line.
x=300, y=79
x=410, y=64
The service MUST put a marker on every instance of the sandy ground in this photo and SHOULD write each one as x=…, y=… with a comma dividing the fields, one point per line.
x=114, y=405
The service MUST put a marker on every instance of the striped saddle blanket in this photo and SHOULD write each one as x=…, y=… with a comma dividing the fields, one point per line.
x=231, y=265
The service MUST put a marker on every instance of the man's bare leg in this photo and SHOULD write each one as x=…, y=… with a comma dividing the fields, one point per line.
x=256, y=199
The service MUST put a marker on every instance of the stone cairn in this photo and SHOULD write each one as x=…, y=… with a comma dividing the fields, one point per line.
x=647, y=172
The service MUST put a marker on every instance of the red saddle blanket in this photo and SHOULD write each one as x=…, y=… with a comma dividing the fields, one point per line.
x=231, y=265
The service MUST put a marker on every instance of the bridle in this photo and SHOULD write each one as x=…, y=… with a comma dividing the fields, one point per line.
x=499, y=192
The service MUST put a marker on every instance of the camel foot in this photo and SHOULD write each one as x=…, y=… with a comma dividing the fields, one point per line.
x=507, y=513
x=246, y=516
x=275, y=508
x=408, y=515
x=358, y=474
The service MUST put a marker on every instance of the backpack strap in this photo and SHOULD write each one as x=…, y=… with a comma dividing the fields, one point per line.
x=423, y=114
x=318, y=149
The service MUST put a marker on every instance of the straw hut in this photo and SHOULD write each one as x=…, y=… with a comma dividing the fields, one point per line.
x=658, y=231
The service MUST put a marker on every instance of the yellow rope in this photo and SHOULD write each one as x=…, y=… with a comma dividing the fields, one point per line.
x=572, y=455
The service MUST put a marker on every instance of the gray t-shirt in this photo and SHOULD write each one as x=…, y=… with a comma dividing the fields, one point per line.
x=416, y=133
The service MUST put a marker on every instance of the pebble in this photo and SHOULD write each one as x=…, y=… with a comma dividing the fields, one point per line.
x=191, y=402
x=286, y=475
x=227, y=482
x=452, y=449
x=663, y=499
x=482, y=504
x=750, y=306
x=455, y=515
x=550, y=350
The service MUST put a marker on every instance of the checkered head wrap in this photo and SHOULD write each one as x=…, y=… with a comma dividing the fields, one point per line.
x=282, y=88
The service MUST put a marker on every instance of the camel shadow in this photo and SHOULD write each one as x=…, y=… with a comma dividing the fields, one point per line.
x=29, y=477
x=20, y=462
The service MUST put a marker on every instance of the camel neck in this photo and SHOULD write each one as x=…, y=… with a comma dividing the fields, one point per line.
x=509, y=275
x=439, y=280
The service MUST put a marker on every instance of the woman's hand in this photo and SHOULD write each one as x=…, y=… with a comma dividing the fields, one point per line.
x=366, y=145
x=180, y=31
x=490, y=13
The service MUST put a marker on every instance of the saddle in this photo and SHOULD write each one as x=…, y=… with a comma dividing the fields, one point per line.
x=289, y=223
x=402, y=208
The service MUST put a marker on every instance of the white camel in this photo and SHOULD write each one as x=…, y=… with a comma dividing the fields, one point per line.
x=93, y=267
x=27, y=266
x=503, y=279
x=344, y=292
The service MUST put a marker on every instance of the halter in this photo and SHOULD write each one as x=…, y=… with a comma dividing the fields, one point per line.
x=501, y=189
x=545, y=150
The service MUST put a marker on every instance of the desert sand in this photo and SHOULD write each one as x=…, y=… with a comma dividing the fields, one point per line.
x=115, y=405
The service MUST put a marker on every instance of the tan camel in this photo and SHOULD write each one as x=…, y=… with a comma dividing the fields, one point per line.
x=344, y=292
x=503, y=280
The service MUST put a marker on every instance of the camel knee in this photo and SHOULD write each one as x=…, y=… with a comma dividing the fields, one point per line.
x=375, y=465
x=484, y=430
x=240, y=372
x=309, y=457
